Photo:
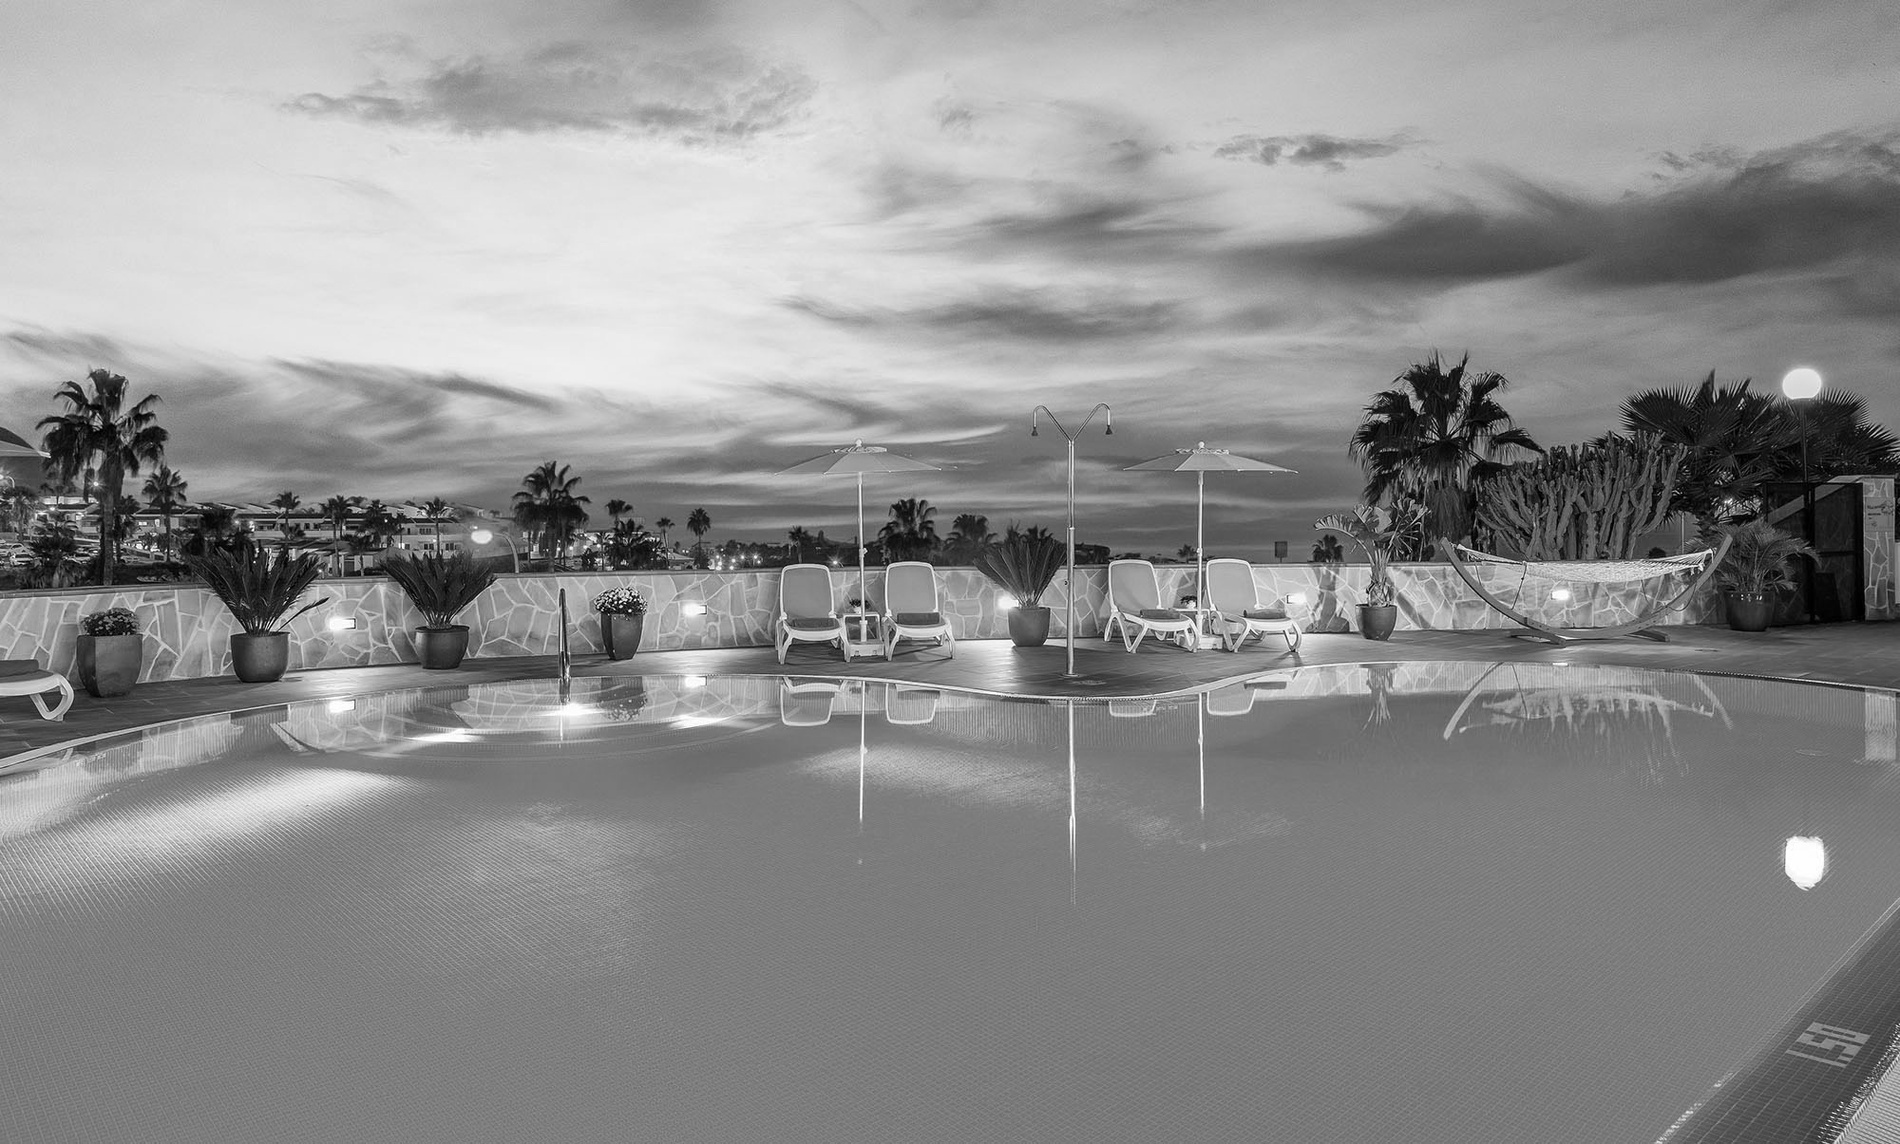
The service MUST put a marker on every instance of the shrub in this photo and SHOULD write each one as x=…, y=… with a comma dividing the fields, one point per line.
x=620, y=602
x=440, y=587
x=111, y=622
x=1022, y=565
x=258, y=584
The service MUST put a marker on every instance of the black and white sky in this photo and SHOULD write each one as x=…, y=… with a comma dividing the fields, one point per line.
x=403, y=249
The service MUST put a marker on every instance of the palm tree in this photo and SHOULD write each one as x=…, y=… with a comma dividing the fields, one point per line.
x=1328, y=550
x=617, y=508
x=165, y=493
x=799, y=537
x=336, y=510
x=1185, y=552
x=283, y=503
x=699, y=524
x=969, y=534
x=379, y=523
x=548, y=506
x=439, y=510
x=1433, y=438
x=100, y=430
x=664, y=524
x=911, y=534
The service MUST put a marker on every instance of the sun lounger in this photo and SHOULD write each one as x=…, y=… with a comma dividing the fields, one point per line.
x=1238, y=612
x=1134, y=605
x=910, y=607
x=27, y=677
x=805, y=611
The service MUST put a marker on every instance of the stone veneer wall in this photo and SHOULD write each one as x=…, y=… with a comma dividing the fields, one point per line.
x=187, y=630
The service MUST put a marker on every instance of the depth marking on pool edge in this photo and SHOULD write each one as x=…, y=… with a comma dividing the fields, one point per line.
x=1803, y=1086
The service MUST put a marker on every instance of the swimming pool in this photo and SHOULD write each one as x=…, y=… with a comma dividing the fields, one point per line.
x=1389, y=902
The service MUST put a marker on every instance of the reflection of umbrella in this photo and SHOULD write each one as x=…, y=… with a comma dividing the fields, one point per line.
x=857, y=460
x=1199, y=460
x=14, y=445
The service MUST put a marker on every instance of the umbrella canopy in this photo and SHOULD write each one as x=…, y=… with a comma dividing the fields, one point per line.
x=14, y=445
x=855, y=460
x=1201, y=460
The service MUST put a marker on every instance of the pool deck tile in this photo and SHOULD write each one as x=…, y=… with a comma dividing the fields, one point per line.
x=1865, y=655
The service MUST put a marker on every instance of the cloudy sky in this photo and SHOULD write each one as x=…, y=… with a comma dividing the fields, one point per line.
x=403, y=249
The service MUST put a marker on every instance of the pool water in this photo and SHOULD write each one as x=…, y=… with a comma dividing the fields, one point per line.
x=1398, y=902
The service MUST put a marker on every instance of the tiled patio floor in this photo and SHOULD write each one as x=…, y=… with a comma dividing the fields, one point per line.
x=1863, y=654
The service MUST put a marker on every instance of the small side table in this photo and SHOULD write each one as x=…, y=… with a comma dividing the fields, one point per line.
x=864, y=634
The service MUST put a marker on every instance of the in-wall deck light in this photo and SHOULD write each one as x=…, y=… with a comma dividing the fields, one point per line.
x=693, y=608
x=342, y=623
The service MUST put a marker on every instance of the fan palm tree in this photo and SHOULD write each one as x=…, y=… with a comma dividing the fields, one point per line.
x=800, y=537
x=664, y=524
x=1328, y=550
x=1433, y=437
x=699, y=524
x=439, y=510
x=283, y=502
x=379, y=523
x=1732, y=436
x=969, y=534
x=547, y=506
x=165, y=493
x=910, y=533
x=100, y=432
x=617, y=508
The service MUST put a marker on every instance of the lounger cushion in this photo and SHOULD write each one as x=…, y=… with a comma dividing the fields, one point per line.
x=812, y=624
x=918, y=619
x=1160, y=614
x=1265, y=613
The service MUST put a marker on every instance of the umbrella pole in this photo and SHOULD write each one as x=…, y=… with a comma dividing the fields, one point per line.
x=1200, y=558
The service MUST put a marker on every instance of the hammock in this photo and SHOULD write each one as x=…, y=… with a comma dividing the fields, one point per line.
x=1694, y=568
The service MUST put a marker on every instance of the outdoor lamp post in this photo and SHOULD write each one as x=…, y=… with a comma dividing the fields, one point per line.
x=1802, y=384
x=489, y=536
x=1108, y=430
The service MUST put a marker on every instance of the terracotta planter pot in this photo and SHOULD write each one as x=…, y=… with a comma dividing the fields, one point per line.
x=1376, y=621
x=260, y=657
x=620, y=633
x=442, y=649
x=109, y=665
x=1029, y=627
x=1747, y=613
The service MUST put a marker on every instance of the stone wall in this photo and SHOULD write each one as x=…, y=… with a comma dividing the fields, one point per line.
x=187, y=630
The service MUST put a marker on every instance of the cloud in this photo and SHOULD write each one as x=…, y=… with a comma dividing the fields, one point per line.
x=1331, y=152
x=701, y=96
x=1011, y=313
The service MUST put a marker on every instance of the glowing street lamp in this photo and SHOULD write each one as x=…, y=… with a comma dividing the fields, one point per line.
x=1802, y=384
x=489, y=536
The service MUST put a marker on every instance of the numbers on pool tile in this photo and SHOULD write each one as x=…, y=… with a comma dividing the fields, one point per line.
x=1829, y=1044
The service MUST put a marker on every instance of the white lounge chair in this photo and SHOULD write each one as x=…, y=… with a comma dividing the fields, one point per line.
x=910, y=607
x=1134, y=604
x=1238, y=613
x=27, y=677
x=805, y=611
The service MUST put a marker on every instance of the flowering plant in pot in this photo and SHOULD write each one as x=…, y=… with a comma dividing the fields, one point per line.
x=109, y=652
x=1754, y=568
x=1023, y=566
x=441, y=588
x=1380, y=533
x=622, y=619
x=259, y=586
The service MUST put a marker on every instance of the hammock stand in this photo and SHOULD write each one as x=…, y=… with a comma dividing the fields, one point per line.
x=1700, y=566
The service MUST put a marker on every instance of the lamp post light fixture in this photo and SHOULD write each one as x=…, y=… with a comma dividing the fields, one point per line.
x=1108, y=430
x=489, y=536
x=1802, y=384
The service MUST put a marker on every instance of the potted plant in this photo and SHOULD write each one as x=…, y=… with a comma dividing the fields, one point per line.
x=109, y=652
x=440, y=587
x=1023, y=566
x=1380, y=533
x=622, y=619
x=1755, y=566
x=259, y=586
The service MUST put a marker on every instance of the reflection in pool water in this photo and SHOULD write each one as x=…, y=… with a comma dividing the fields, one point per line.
x=1410, y=902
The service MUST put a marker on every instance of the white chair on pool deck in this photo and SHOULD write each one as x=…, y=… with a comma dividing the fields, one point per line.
x=27, y=677
x=805, y=611
x=1134, y=603
x=910, y=607
x=1238, y=613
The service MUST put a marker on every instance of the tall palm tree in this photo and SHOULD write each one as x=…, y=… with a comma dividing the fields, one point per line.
x=379, y=523
x=800, y=537
x=283, y=502
x=699, y=524
x=548, y=506
x=969, y=534
x=664, y=524
x=336, y=510
x=910, y=533
x=439, y=510
x=617, y=508
x=165, y=493
x=99, y=431
x=1435, y=436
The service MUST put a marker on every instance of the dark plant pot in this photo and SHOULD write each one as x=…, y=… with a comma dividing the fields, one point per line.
x=1029, y=627
x=442, y=649
x=260, y=657
x=1376, y=621
x=1749, y=613
x=620, y=633
x=109, y=665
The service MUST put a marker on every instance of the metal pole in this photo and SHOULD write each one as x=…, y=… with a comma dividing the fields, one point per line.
x=1200, y=555
x=1108, y=429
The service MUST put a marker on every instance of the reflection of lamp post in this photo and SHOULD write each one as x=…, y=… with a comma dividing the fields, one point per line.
x=1108, y=430
x=1804, y=860
x=489, y=536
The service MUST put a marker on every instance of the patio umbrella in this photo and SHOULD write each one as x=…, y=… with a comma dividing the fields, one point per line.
x=855, y=460
x=1200, y=460
x=14, y=445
